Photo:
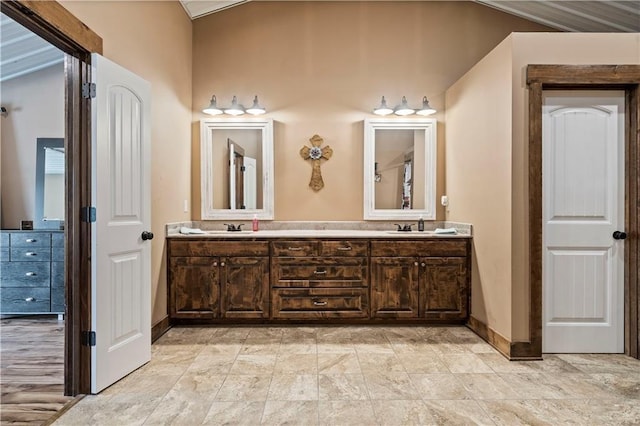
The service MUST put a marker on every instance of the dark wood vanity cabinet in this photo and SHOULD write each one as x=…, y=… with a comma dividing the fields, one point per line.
x=211, y=279
x=422, y=280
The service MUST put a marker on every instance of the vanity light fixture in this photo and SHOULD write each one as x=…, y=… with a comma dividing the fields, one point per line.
x=235, y=108
x=426, y=108
x=212, y=109
x=256, y=109
x=404, y=109
x=383, y=109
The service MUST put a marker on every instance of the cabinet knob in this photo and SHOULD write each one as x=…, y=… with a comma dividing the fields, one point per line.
x=30, y=299
x=32, y=240
x=423, y=264
x=221, y=263
x=31, y=274
x=30, y=253
x=415, y=263
x=215, y=263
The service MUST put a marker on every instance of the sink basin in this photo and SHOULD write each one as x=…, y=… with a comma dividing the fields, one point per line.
x=409, y=232
x=216, y=231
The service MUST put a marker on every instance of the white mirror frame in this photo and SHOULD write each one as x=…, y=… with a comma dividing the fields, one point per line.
x=429, y=126
x=207, y=127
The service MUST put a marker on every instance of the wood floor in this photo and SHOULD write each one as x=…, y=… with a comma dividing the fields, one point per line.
x=31, y=369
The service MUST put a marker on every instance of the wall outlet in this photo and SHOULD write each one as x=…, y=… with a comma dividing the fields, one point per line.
x=444, y=200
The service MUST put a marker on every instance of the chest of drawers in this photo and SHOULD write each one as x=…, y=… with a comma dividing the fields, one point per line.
x=31, y=272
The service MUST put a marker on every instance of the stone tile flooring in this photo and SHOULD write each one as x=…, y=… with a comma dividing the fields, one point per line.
x=360, y=376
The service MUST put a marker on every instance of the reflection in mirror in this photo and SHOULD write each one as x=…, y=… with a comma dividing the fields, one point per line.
x=400, y=169
x=50, y=186
x=236, y=168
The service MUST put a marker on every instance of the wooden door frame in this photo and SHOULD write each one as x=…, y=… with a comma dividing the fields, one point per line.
x=584, y=77
x=58, y=26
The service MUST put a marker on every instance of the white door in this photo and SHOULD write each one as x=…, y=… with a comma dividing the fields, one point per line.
x=583, y=205
x=121, y=261
x=250, y=183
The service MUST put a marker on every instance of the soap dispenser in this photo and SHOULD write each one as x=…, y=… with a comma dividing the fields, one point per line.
x=254, y=224
x=421, y=224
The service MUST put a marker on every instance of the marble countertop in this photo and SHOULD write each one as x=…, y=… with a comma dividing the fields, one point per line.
x=327, y=233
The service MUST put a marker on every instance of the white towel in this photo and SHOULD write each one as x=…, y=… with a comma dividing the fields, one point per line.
x=186, y=230
x=445, y=231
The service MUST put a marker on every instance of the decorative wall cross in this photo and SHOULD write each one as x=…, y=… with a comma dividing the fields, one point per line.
x=315, y=154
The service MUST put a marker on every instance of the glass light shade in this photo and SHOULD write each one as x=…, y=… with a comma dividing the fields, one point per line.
x=403, y=108
x=383, y=109
x=212, y=109
x=426, y=108
x=256, y=109
x=235, y=108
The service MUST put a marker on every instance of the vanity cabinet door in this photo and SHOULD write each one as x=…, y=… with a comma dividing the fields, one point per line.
x=194, y=287
x=394, y=287
x=443, y=288
x=245, y=287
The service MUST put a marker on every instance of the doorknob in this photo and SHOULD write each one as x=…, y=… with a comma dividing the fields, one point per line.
x=146, y=235
x=619, y=235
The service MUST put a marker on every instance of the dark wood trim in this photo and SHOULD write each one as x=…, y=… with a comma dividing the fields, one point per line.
x=160, y=328
x=492, y=337
x=55, y=24
x=609, y=77
x=68, y=406
x=51, y=21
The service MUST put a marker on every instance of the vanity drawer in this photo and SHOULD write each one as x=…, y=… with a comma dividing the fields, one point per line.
x=218, y=248
x=439, y=247
x=344, y=248
x=25, y=299
x=318, y=303
x=24, y=274
x=295, y=248
x=30, y=254
x=320, y=272
x=30, y=239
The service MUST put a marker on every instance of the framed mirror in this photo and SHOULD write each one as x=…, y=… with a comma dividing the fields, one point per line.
x=50, y=186
x=400, y=169
x=236, y=168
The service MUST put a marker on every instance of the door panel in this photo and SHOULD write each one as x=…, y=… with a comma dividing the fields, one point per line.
x=583, y=204
x=395, y=287
x=121, y=261
x=245, y=287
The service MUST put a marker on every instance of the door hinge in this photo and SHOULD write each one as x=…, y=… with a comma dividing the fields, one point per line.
x=88, y=214
x=243, y=168
x=88, y=338
x=88, y=90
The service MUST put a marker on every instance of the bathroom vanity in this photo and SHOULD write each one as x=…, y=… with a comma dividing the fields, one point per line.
x=319, y=276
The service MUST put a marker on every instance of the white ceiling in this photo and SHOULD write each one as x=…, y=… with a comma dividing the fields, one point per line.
x=22, y=52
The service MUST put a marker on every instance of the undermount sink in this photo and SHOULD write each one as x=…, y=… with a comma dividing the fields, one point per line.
x=224, y=231
x=409, y=232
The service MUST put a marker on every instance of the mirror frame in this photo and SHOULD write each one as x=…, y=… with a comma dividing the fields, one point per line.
x=207, y=126
x=429, y=126
x=41, y=145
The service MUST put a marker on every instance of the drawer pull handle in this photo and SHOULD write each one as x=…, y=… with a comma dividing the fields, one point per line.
x=30, y=253
x=319, y=303
x=320, y=272
x=30, y=299
x=32, y=240
x=294, y=248
x=31, y=274
x=344, y=248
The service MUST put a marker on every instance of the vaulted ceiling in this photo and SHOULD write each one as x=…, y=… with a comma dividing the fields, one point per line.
x=22, y=52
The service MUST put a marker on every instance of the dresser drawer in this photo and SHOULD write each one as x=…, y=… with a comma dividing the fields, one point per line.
x=4, y=239
x=317, y=303
x=57, y=239
x=30, y=239
x=295, y=248
x=25, y=299
x=24, y=274
x=30, y=254
x=4, y=254
x=436, y=247
x=344, y=248
x=201, y=248
x=320, y=272
x=57, y=274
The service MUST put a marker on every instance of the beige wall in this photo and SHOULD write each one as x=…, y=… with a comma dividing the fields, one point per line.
x=478, y=179
x=153, y=39
x=35, y=106
x=487, y=161
x=321, y=67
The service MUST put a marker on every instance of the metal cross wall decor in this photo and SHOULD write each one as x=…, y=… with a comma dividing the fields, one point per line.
x=315, y=154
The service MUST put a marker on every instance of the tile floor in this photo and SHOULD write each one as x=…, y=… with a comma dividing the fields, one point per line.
x=360, y=376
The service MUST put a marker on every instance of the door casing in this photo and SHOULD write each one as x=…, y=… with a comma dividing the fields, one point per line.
x=584, y=77
x=59, y=27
